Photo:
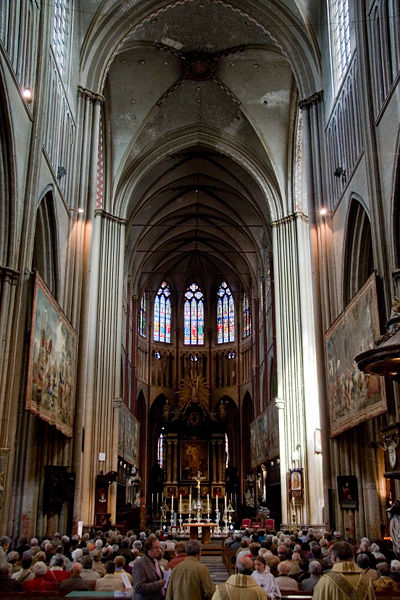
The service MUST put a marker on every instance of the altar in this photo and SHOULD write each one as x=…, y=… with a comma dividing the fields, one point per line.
x=205, y=531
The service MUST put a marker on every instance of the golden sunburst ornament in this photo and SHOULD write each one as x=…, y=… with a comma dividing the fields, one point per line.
x=193, y=390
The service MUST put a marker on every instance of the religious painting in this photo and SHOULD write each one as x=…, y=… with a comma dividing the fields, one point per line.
x=183, y=490
x=347, y=491
x=353, y=396
x=264, y=436
x=296, y=486
x=171, y=490
x=128, y=435
x=204, y=491
x=217, y=490
x=194, y=458
x=52, y=362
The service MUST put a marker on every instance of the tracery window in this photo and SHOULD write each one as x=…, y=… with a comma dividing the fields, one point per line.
x=340, y=17
x=246, y=321
x=225, y=315
x=60, y=20
x=193, y=315
x=162, y=314
x=142, y=316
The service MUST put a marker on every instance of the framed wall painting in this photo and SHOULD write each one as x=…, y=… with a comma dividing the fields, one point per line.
x=128, y=435
x=171, y=490
x=347, y=491
x=353, y=396
x=264, y=436
x=50, y=392
x=194, y=458
x=217, y=490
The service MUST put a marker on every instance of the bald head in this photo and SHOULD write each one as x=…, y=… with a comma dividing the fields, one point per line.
x=244, y=565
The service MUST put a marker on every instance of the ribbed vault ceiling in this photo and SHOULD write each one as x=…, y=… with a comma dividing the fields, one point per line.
x=200, y=67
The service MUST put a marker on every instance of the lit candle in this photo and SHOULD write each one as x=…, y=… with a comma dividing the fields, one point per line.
x=208, y=503
x=180, y=503
x=225, y=503
x=190, y=502
x=216, y=502
x=172, y=505
x=152, y=499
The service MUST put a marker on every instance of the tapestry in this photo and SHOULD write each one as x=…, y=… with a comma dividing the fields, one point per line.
x=264, y=436
x=128, y=436
x=194, y=458
x=353, y=396
x=52, y=362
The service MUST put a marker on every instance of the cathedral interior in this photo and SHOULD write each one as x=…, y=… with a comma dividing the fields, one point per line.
x=199, y=263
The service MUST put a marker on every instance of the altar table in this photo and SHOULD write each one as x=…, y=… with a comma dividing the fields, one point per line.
x=205, y=531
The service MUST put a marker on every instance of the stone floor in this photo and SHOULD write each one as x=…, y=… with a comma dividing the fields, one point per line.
x=211, y=557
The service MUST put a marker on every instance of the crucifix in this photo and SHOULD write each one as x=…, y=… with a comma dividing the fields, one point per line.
x=199, y=478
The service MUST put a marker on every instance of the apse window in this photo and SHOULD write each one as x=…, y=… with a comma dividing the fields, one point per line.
x=162, y=314
x=246, y=321
x=225, y=315
x=193, y=316
x=341, y=33
x=142, y=316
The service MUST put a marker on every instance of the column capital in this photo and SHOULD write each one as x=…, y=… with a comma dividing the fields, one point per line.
x=288, y=218
x=100, y=212
x=91, y=96
x=313, y=99
x=9, y=275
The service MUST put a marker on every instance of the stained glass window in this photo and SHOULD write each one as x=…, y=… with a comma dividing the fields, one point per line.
x=246, y=316
x=225, y=315
x=193, y=315
x=162, y=314
x=142, y=317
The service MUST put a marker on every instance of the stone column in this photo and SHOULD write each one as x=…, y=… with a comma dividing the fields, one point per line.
x=175, y=464
x=89, y=117
x=169, y=460
x=104, y=356
x=312, y=125
x=220, y=462
x=213, y=462
x=296, y=361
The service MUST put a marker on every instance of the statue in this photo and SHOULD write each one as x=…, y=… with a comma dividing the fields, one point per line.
x=394, y=516
x=249, y=500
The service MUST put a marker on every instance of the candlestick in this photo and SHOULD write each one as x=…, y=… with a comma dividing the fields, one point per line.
x=172, y=505
x=216, y=503
x=180, y=503
x=190, y=502
x=225, y=502
x=208, y=503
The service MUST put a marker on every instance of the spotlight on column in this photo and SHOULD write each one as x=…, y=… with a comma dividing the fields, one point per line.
x=27, y=94
x=323, y=211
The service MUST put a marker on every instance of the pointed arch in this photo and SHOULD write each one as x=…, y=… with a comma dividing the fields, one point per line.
x=247, y=416
x=225, y=314
x=44, y=258
x=359, y=262
x=193, y=315
x=162, y=314
x=7, y=182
